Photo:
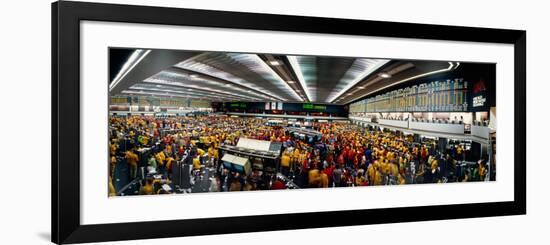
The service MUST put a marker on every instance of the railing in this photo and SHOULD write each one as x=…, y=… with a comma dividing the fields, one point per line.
x=481, y=131
x=478, y=129
x=394, y=123
x=361, y=119
x=441, y=127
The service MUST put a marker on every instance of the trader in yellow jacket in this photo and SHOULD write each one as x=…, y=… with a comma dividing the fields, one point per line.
x=201, y=152
x=295, y=156
x=314, y=178
x=132, y=159
x=112, y=191
x=212, y=152
x=160, y=157
x=169, y=162
x=196, y=163
x=285, y=163
x=147, y=189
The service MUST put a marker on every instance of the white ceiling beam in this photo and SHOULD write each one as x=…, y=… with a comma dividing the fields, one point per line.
x=359, y=70
x=130, y=63
x=298, y=71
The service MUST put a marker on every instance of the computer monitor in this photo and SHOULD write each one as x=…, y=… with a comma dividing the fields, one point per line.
x=238, y=168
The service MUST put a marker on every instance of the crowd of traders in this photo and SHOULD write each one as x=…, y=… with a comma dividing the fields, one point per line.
x=344, y=155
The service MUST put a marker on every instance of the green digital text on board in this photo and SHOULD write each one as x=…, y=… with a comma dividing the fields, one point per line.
x=238, y=105
x=314, y=107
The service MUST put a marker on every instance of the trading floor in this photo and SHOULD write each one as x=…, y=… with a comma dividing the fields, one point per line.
x=186, y=155
x=184, y=122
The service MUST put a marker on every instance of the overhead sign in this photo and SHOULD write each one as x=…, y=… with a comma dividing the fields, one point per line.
x=479, y=101
x=280, y=106
x=479, y=94
x=238, y=105
x=314, y=107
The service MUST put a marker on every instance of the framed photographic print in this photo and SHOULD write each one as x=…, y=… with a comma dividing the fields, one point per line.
x=175, y=122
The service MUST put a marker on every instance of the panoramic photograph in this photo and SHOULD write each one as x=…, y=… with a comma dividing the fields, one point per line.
x=185, y=122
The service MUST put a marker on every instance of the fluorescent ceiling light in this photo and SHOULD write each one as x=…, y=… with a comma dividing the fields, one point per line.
x=298, y=71
x=157, y=80
x=256, y=64
x=274, y=62
x=192, y=65
x=143, y=88
x=384, y=75
x=291, y=82
x=132, y=61
x=182, y=80
x=176, y=94
x=153, y=94
x=359, y=70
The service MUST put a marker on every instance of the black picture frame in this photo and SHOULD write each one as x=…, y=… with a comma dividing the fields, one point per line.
x=66, y=18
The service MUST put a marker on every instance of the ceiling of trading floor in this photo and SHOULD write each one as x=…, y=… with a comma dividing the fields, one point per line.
x=222, y=76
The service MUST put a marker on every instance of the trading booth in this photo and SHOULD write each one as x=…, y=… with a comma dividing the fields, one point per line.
x=264, y=155
x=308, y=135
